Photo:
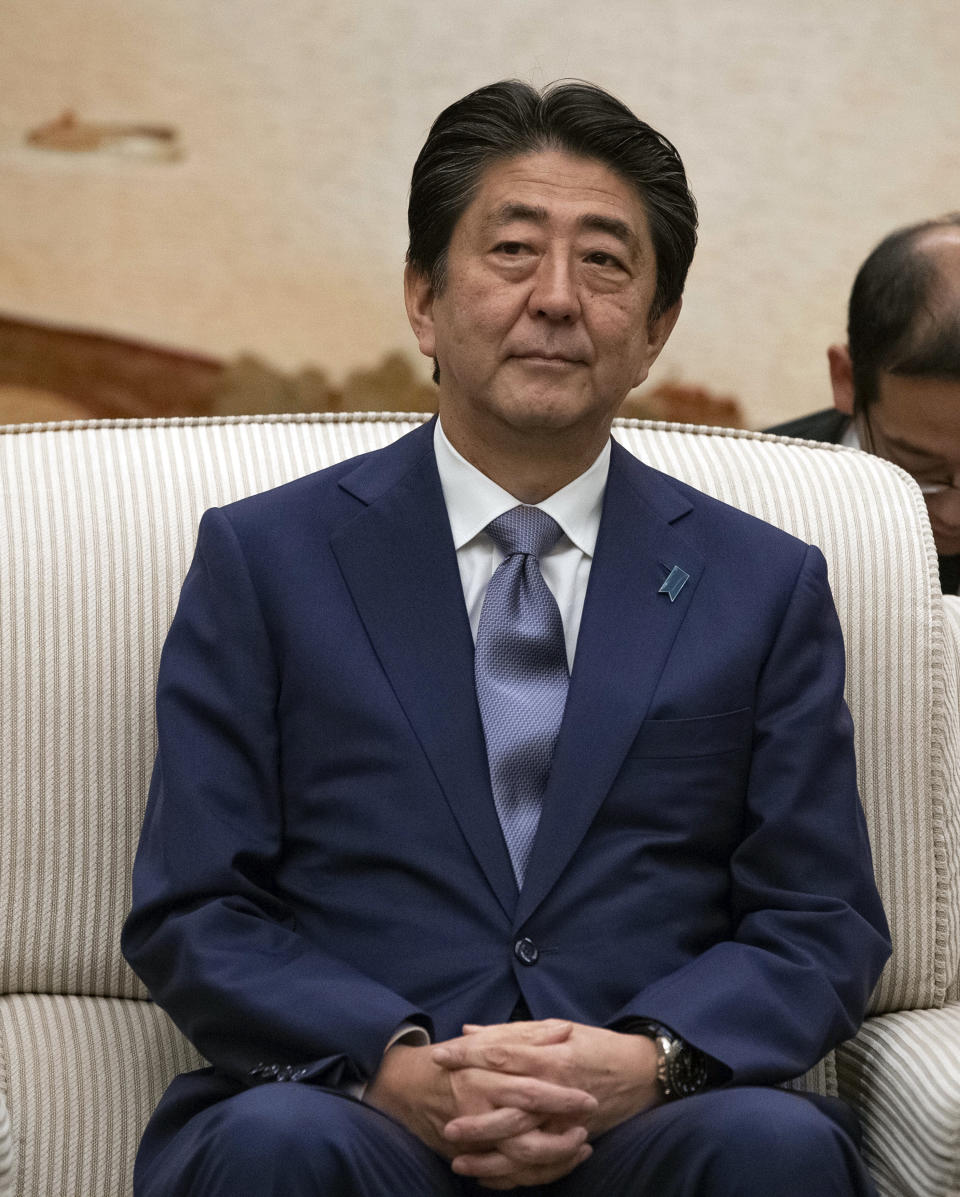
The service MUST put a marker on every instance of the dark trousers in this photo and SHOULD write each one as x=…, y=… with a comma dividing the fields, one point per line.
x=206, y=1139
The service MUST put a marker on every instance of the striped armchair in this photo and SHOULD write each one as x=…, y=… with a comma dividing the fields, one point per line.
x=97, y=522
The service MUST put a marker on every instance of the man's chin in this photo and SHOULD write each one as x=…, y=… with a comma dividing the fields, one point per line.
x=547, y=409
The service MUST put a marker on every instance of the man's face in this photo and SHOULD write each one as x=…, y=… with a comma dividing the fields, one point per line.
x=915, y=422
x=543, y=324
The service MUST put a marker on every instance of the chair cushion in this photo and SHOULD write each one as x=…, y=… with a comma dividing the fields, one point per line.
x=8, y=1159
x=902, y=1074
x=83, y=1075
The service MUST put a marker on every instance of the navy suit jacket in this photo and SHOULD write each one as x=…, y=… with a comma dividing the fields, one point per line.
x=321, y=859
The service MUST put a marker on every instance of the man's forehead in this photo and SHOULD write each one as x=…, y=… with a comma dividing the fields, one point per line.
x=941, y=246
x=920, y=413
x=941, y=238
x=551, y=184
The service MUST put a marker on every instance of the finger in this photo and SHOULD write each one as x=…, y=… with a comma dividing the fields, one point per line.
x=534, y=1095
x=520, y=1058
x=477, y=1052
x=539, y=1148
x=537, y=1031
x=534, y=1150
x=493, y=1170
x=491, y=1126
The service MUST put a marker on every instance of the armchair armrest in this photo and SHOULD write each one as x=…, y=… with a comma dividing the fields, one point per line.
x=7, y=1160
x=951, y=630
x=902, y=1075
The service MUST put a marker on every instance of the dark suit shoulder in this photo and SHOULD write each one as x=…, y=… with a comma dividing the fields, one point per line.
x=713, y=522
x=321, y=491
x=706, y=522
x=828, y=425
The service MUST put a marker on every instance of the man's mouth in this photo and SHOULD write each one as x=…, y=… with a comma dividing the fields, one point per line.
x=549, y=359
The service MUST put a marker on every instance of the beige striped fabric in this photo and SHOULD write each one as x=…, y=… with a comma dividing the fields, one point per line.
x=951, y=610
x=8, y=1162
x=83, y=1076
x=902, y=1072
x=822, y=1078
x=97, y=525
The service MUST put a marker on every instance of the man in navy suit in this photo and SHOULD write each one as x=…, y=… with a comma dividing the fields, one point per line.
x=332, y=890
x=896, y=383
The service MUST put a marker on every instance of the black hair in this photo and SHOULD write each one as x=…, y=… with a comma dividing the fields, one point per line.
x=897, y=320
x=511, y=118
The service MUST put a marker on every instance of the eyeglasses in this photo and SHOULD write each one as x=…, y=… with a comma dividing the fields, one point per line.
x=935, y=488
x=927, y=489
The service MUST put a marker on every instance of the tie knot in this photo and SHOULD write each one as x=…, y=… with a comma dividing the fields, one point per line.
x=525, y=530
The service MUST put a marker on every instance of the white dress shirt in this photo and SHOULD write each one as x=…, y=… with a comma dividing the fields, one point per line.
x=473, y=500
x=851, y=437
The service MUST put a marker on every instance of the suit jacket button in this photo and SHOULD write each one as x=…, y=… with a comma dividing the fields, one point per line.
x=526, y=951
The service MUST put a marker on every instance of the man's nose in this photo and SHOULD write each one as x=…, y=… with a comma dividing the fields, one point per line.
x=555, y=293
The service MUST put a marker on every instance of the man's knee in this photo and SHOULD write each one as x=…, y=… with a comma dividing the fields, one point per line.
x=777, y=1142
x=283, y=1139
x=292, y=1140
x=733, y=1143
x=281, y=1130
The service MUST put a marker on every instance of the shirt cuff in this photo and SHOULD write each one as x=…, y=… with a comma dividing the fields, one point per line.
x=407, y=1032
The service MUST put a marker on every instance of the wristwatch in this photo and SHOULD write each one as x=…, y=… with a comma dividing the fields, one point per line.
x=682, y=1070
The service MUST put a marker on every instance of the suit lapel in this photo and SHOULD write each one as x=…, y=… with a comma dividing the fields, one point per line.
x=626, y=634
x=398, y=560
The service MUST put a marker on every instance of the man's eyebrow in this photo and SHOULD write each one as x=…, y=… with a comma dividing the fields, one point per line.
x=509, y=212
x=616, y=228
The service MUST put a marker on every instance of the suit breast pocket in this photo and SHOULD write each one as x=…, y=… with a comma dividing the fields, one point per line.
x=702, y=735
x=682, y=786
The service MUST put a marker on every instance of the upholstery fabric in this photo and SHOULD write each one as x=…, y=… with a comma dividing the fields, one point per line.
x=98, y=522
x=951, y=738
x=8, y=1164
x=902, y=1072
x=83, y=1076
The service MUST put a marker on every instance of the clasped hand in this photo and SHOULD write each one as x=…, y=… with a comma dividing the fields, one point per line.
x=514, y=1104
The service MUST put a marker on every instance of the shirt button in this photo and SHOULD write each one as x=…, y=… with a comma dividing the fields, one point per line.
x=526, y=951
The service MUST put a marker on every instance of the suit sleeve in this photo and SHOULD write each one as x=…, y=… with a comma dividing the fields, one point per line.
x=214, y=942
x=810, y=936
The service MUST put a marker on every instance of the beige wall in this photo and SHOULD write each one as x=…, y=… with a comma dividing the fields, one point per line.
x=808, y=130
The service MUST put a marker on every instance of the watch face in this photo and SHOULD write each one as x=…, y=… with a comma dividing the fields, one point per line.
x=681, y=1070
x=687, y=1070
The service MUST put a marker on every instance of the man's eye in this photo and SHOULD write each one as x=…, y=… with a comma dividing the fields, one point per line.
x=604, y=259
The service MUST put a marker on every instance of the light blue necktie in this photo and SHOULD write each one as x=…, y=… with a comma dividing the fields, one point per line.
x=521, y=675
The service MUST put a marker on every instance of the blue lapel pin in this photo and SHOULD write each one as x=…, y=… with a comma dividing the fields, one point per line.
x=675, y=581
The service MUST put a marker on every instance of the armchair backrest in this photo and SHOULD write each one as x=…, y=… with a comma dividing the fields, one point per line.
x=97, y=525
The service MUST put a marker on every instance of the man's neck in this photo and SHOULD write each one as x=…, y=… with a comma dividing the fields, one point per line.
x=530, y=466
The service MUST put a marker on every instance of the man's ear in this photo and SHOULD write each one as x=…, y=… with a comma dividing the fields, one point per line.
x=419, y=295
x=841, y=378
x=657, y=333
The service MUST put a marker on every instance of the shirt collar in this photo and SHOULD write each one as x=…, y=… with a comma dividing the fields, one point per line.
x=851, y=436
x=473, y=499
